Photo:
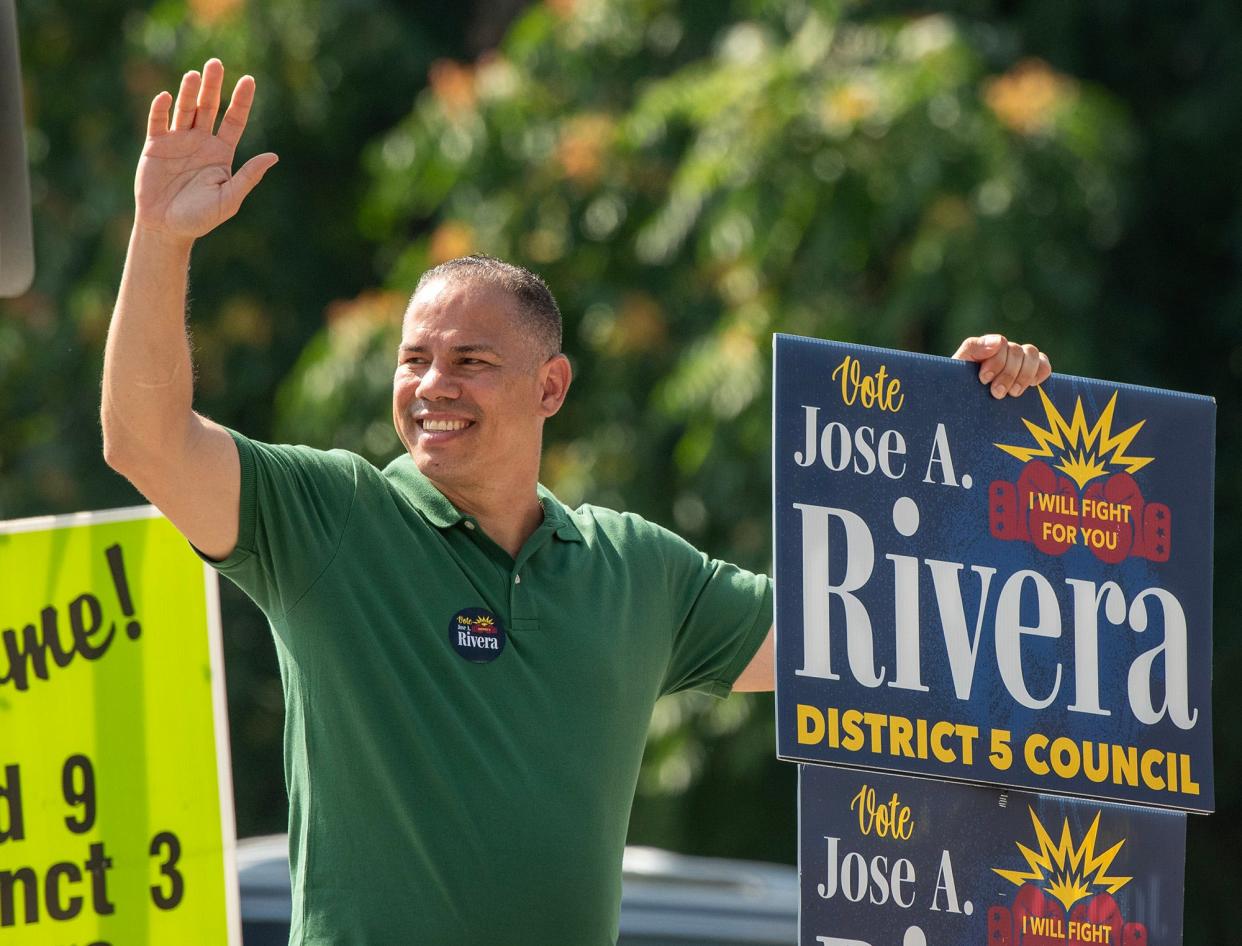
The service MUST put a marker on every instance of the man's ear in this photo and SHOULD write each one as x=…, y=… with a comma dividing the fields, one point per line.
x=555, y=376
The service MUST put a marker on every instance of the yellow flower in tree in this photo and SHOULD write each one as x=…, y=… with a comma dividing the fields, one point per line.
x=450, y=240
x=1028, y=96
x=584, y=140
x=453, y=84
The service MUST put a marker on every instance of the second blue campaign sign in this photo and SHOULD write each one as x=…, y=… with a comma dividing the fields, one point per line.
x=1014, y=592
x=890, y=861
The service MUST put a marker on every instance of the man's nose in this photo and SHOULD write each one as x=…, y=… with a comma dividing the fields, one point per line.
x=435, y=385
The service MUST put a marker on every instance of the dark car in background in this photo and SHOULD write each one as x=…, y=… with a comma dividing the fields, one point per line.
x=666, y=899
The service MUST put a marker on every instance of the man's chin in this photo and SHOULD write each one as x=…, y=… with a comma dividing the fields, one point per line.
x=426, y=461
x=436, y=465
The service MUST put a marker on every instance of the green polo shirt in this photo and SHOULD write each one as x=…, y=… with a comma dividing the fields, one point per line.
x=463, y=729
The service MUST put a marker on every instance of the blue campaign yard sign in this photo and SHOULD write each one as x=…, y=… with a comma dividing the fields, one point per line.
x=1014, y=592
x=892, y=861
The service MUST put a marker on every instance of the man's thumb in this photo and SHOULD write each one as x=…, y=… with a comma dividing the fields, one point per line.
x=979, y=348
x=248, y=177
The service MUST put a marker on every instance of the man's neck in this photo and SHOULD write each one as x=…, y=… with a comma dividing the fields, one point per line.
x=509, y=515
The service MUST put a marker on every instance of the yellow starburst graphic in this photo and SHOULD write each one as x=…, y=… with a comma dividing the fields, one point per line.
x=1066, y=873
x=1083, y=452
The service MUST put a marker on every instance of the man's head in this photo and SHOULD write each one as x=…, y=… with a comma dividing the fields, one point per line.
x=478, y=371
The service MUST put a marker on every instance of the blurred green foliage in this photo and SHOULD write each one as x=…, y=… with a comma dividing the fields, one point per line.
x=689, y=178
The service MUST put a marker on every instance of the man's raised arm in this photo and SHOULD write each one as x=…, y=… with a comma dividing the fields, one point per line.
x=182, y=462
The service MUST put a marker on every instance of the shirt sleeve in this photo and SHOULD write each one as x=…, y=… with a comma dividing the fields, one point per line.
x=295, y=504
x=722, y=616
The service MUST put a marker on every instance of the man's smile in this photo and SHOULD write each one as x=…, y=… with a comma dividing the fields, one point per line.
x=433, y=429
x=432, y=424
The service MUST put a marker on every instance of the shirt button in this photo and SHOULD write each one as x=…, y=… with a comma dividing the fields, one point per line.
x=469, y=524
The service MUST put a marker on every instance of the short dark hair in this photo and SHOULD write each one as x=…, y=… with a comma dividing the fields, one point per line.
x=536, y=304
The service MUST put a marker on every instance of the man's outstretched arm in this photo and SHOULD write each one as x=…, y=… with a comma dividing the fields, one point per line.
x=1009, y=368
x=183, y=463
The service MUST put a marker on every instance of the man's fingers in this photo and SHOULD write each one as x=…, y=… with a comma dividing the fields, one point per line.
x=187, y=101
x=209, y=95
x=991, y=367
x=1026, y=360
x=157, y=120
x=1025, y=365
x=238, y=112
x=1008, y=367
x=1007, y=377
x=979, y=348
x=1045, y=369
x=1029, y=371
x=247, y=178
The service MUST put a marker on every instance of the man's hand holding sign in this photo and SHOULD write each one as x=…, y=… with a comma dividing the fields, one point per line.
x=470, y=666
x=1008, y=367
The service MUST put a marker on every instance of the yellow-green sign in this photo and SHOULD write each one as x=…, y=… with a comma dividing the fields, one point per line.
x=116, y=818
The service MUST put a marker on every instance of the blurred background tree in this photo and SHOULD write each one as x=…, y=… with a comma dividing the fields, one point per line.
x=689, y=178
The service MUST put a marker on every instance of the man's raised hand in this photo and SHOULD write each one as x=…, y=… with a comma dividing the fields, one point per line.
x=185, y=185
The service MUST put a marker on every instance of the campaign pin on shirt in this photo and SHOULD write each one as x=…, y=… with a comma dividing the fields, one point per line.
x=477, y=634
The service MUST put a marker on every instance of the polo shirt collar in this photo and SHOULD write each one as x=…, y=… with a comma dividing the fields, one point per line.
x=422, y=493
x=555, y=512
x=437, y=509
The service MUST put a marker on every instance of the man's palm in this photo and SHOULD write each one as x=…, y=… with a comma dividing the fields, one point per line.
x=185, y=186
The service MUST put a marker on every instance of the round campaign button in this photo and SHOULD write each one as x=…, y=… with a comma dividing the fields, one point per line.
x=476, y=634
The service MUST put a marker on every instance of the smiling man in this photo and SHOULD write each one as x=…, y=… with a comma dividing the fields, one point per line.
x=469, y=666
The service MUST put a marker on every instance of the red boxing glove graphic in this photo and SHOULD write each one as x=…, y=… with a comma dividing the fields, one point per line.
x=1134, y=934
x=1122, y=490
x=1018, y=511
x=1050, y=505
x=1111, y=518
x=1003, y=513
x=1000, y=924
x=1036, y=478
x=1157, y=532
x=1111, y=510
x=1038, y=920
x=1096, y=921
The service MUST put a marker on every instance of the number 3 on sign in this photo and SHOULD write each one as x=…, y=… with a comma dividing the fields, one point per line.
x=176, y=883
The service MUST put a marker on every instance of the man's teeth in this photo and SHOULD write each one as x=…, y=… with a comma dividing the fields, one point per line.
x=430, y=424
